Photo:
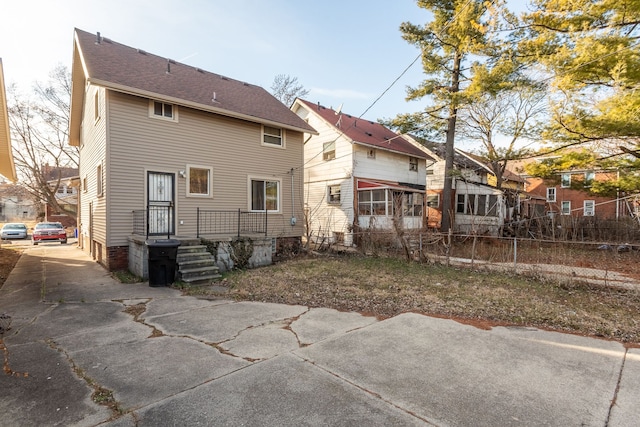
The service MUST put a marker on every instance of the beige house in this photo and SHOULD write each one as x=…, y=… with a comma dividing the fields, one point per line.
x=171, y=150
x=7, y=167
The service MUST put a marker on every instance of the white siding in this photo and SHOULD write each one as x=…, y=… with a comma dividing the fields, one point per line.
x=325, y=219
x=480, y=224
x=351, y=161
x=387, y=166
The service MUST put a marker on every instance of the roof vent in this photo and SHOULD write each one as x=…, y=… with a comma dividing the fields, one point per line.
x=199, y=70
x=142, y=52
x=168, y=67
x=98, y=39
x=171, y=61
x=369, y=133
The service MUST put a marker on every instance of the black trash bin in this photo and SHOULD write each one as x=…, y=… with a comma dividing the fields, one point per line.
x=162, y=261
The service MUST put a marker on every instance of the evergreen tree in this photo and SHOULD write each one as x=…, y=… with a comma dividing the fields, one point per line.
x=464, y=56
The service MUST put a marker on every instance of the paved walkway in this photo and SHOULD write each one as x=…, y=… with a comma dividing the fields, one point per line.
x=186, y=361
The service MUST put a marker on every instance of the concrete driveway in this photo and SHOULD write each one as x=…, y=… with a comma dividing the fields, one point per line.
x=174, y=360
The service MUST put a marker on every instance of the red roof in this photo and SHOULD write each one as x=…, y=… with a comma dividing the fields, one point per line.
x=365, y=132
x=132, y=70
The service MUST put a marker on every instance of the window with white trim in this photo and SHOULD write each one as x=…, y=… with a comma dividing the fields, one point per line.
x=374, y=202
x=329, y=150
x=477, y=204
x=412, y=204
x=199, y=181
x=163, y=110
x=551, y=194
x=565, y=180
x=96, y=106
x=589, y=177
x=272, y=136
x=413, y=164
x=333, y=194
x=99, y=180
x=565, y=208
x=265, y=194
x=589, y=208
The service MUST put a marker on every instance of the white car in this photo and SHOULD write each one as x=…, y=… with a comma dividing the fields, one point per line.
x=14, y=230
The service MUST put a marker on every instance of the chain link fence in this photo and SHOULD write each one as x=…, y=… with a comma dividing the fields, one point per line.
x=596, y=262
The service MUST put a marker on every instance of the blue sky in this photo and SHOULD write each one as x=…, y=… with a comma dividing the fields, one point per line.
x=344, y=52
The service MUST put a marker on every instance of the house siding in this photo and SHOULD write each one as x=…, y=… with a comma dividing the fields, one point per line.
x=93, y=153
x=326, y=222
x=325, y=219
x=387, y=166
x=231, y=147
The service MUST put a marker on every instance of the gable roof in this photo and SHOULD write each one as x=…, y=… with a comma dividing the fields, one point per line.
x=365, y=132
x=103, y=62
x=7, y=166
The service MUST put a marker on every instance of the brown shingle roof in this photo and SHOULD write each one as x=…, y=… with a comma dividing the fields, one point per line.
x=365, y=132
x=135, y=71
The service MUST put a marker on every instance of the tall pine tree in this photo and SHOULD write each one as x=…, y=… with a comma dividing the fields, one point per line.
x=464, y=55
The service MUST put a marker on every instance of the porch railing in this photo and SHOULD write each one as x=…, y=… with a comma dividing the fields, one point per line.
x=236, y=222
x=154, y=221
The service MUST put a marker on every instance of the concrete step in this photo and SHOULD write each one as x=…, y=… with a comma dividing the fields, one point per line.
x=201, y=279
x=191, y=249
x=193, y=256
x=196, y=265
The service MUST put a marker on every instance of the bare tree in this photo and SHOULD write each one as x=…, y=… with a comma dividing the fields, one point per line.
x=513, y=115
x=40, y=128
x=287, y=89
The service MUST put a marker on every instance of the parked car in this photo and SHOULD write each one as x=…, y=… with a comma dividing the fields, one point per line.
x=49, y=232
x=14, y=230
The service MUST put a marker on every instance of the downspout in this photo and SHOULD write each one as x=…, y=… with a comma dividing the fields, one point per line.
x=293, y=206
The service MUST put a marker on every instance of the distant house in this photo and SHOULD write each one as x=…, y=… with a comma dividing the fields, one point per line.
x=16, y=204
x=478, y=206
x=569, y=195
x=172, y=150
x=359, y=175
x=64, y=181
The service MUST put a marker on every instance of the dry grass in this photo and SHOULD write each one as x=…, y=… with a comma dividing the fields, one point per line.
x=8, y=258
x=385, y=287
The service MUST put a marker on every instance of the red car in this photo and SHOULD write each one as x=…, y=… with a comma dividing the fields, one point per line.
x=49, y=232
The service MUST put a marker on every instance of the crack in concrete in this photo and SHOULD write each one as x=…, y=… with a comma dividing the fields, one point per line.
x=101, y=395
x=289, y=321
x=617, y=390
x=6, y=367
x=138, y=309
x=367, y=391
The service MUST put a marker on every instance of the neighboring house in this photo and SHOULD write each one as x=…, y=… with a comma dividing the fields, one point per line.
x=7, y=166
x=173, y=142
x=567, y=194
x=477, y=205
x=16, y=204
x=567, y=198
x=359, y=175
x=64, y=181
